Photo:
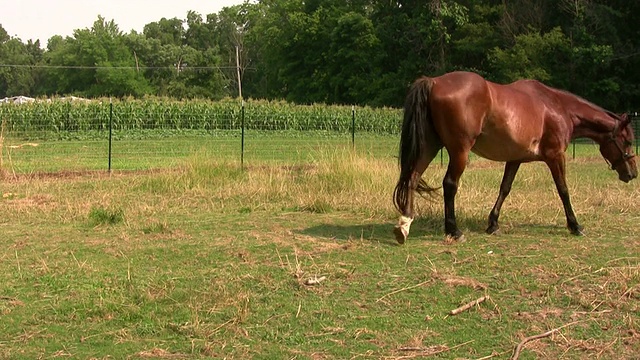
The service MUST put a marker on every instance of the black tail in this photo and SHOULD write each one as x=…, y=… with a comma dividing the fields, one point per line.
x=418, y=139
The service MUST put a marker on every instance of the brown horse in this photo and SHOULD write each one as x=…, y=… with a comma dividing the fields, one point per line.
x=516, y=123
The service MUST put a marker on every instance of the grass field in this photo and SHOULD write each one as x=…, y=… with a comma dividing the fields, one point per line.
x=145, y=150
x=199, y=259
x=159, y=149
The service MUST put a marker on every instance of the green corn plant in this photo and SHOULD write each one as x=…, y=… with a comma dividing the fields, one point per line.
x=56, y=117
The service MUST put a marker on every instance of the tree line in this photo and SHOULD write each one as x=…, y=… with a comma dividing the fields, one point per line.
x=362, y=52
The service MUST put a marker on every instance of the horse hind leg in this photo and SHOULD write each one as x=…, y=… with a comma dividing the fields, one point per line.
x=401, y=230
x=457, y=164
x=510, y=170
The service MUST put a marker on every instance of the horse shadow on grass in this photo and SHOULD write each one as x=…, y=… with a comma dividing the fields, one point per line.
x=426, y=227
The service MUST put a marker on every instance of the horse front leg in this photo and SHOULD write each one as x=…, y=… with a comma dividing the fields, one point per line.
x=457, y=164
x=510, y=170
x=558, y=171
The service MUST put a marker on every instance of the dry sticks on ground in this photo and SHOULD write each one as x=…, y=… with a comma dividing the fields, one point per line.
x=469, y=305
x=518, y=348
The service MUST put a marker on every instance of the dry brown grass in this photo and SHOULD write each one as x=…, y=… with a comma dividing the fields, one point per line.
x=247, y=241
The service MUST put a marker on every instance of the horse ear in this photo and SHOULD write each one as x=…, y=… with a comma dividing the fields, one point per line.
x=625, y=120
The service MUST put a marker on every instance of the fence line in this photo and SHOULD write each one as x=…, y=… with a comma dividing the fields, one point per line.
x=73, y=140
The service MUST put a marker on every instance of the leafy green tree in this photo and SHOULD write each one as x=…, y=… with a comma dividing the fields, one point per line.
x=290, y=47
x=469, y=44
x=167, y=31
x=157, y=62
x=95, y=62
x=625, y=63
x=185, y=65
x=590, y=28
x=16, y=76
x=231, y=28
x=417, y=39
x=4, y=36
x=358, y=51
x=353, y=57
x=533, y=56
x=199, y=34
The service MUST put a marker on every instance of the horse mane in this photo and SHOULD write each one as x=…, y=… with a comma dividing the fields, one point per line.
x=594, y=121
x=586, y=102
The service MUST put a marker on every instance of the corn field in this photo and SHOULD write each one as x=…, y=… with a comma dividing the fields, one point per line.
x=57, y=116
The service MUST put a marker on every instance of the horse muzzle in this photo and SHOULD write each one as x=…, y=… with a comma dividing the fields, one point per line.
x=628, y=176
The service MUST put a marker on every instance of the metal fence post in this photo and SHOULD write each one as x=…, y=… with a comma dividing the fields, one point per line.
x=242, y=137
x=68, y=116
x=110, y=131
x=353, y=126
x=636, y=130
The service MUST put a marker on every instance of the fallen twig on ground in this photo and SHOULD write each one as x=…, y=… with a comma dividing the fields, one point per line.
x=403, y=289
x=468, y=305
x=493, y=354
x=518, y=348
x=315, y=280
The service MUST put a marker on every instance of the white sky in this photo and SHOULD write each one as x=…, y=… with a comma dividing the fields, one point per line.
x=41, y=19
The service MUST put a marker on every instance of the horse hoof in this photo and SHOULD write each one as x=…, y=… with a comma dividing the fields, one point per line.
x=493, y=230
x=450, y=239
x=401, y=237
x=577, y=232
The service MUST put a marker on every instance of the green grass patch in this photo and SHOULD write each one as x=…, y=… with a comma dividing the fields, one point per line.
x=104, y=216
x=298, y=261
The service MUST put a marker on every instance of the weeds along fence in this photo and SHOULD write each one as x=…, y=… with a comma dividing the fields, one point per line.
x=79, y=135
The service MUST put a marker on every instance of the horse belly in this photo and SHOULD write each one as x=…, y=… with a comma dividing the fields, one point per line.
x=505, y=147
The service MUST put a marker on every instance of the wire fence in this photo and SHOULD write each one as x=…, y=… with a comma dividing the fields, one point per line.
x=105, y=137
x=112, y=136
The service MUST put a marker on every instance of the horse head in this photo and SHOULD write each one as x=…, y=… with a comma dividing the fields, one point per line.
x=617, y=149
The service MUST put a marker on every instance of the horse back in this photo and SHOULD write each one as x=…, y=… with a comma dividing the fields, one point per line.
x=498, y=122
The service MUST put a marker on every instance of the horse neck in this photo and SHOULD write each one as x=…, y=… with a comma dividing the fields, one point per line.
x=591, y=121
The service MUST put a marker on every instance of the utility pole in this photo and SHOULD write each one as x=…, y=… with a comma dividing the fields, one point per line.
x=238, y=71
